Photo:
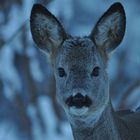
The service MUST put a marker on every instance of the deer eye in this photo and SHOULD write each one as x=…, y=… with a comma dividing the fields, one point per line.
x=61, y=72
x=95, y=71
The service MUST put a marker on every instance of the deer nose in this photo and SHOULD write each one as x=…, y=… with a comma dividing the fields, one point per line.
x=79, y=93
x=78, y=97
x=79, y=101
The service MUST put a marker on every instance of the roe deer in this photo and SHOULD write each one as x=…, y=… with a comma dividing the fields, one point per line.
x=82, y=83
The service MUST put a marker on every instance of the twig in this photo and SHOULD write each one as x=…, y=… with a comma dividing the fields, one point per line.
x=128, y=92
x=14, y=34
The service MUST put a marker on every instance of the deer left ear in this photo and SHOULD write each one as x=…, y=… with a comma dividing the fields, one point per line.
x=110, y=29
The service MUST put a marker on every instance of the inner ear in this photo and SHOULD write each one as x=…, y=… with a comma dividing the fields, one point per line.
x=110, y=29
x=47, y=32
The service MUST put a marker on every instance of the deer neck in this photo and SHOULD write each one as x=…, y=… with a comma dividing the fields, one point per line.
x=105, y=128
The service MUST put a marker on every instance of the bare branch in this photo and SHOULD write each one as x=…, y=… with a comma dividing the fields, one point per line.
x=13, y=36
x=128, y=92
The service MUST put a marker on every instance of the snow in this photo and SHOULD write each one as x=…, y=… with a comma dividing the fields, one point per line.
x=7, y=131
x=50, y=121
x=8, y=72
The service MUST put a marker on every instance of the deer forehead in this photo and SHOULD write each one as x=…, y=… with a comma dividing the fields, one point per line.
x=78, y=52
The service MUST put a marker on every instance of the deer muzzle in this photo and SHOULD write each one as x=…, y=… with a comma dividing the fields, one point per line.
x=79, y=101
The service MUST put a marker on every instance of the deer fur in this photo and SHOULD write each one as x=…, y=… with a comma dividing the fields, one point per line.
x=82, y=85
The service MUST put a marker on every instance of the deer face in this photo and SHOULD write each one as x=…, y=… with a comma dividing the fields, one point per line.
x=81, y=79
x=79, y=63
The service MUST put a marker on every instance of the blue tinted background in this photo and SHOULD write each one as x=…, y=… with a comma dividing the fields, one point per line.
x=28, y=109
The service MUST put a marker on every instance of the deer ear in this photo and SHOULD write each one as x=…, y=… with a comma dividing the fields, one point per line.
x=47, y=32
x=110, y=29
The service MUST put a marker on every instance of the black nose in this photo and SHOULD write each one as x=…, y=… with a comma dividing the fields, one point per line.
x=79, y=101
x=78, y=97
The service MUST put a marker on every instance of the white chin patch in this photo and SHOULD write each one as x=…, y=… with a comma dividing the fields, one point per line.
x=78, y=111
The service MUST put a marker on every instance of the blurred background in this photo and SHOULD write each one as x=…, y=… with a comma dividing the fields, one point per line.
x=28, y=109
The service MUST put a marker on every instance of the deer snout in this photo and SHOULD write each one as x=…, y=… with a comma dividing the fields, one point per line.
x=78, y=100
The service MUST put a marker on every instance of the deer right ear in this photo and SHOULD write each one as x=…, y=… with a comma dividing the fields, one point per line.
x=47, y=32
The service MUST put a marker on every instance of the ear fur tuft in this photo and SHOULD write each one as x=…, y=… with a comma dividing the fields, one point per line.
x=47, y=32
x=110, y=29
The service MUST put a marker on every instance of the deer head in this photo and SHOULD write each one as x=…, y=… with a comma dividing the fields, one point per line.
x=79, y=63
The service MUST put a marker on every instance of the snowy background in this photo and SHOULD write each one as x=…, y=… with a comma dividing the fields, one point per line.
x=28, y=110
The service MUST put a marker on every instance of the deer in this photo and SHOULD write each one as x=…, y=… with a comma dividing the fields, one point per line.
x=80, y=70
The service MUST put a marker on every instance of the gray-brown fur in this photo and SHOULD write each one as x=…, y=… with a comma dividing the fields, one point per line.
x=82, y=84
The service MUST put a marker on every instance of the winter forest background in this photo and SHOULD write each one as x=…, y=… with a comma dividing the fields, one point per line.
x=28, y=110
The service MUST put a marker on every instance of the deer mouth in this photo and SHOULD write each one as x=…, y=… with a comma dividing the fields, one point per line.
x=78, y=101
